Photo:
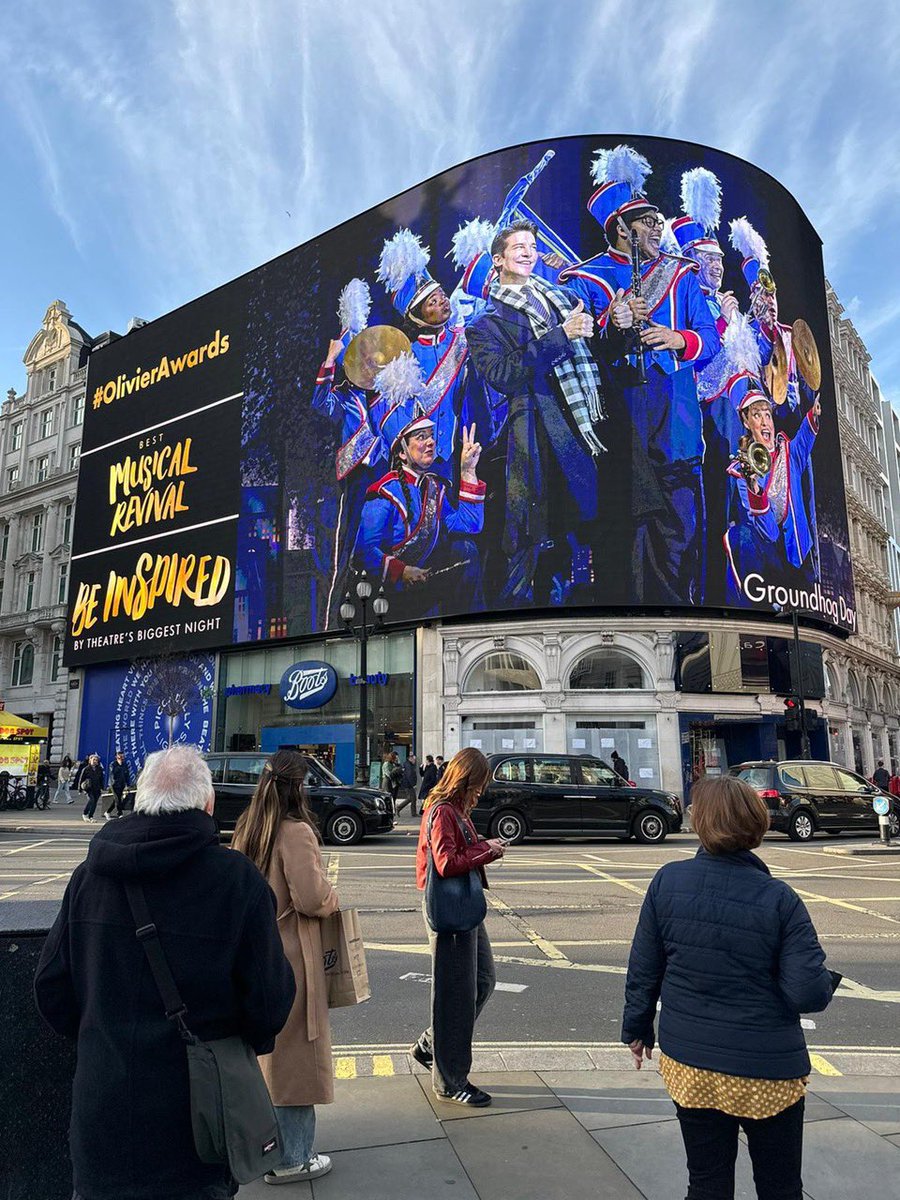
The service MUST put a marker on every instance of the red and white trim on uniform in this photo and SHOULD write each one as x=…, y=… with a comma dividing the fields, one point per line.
x=473, y=493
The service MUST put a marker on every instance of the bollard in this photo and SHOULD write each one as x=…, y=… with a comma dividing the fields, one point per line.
x=884, y=828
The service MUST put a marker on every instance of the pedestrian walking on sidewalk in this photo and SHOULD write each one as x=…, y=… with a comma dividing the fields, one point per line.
x=119, y=781
x=279, y=833
x=91, y=784
x=429, y=775
x=462, y=966
x=63, y=776
x=409, y=781
x=130, y=1133
x=733, y=956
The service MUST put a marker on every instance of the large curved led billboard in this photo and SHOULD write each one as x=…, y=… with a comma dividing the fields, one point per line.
x=590, y=372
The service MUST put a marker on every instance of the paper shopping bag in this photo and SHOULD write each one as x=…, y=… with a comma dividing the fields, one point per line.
x=345, y=959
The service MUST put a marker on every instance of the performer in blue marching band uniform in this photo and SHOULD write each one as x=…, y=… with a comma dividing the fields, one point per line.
x=361, y=447
x=659, y=442
x=771, y=333
x=770, y=532
x=414, y=536
x=455, y=397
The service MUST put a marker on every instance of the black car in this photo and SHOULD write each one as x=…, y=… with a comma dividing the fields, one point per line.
x=345, y=814
x=805, y=796
x=555, y=795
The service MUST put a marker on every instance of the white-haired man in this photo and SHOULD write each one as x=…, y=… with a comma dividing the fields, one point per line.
x=130, y=1133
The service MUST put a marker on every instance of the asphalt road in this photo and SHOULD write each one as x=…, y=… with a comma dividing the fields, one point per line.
x=561, y=918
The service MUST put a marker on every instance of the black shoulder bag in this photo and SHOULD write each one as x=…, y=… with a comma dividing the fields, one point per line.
x=453, y=903
x=232, y=1116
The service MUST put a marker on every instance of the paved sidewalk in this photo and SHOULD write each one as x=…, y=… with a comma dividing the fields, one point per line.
x=609, y=1134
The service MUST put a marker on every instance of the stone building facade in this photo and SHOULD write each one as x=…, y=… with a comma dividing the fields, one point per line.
x=40, y=442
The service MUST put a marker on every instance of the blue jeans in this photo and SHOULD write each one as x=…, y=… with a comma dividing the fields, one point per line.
x=297, y=1126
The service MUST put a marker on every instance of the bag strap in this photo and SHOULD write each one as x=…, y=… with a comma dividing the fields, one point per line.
x=148, y=936
x=465, y=832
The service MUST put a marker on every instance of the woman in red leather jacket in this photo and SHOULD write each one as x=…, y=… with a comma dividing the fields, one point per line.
x=462, y=964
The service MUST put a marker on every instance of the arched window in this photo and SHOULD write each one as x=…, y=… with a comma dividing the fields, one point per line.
x=601, y=670
x=502, y=671
x=871, y=701
x=854, y=689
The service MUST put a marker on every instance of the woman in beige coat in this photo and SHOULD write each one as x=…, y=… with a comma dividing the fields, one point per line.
x=278, y=832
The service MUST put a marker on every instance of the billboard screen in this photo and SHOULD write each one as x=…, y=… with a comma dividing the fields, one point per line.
x=481, y=424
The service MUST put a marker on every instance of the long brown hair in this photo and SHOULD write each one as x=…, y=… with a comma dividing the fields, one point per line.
x=463, y=781
x=279, y=796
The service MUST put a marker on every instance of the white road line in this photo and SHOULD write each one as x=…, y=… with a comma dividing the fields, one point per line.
x=29, y=846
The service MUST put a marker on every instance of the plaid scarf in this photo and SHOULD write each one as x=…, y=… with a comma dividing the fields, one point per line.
x=577, y=375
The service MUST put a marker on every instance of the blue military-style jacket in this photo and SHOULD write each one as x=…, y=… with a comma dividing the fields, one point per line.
x=347, y=405
x=778, y=509
x=392, y=537
x=670, y=286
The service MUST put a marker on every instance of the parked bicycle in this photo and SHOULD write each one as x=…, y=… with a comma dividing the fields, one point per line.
x=13, y=792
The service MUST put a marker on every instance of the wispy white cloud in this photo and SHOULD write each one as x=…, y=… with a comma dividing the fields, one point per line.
x=179, y=144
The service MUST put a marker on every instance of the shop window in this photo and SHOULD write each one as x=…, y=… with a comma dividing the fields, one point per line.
x=513, y=770
x=602, y=670
x=502, y=671
x=244, y=770
x=552, y=771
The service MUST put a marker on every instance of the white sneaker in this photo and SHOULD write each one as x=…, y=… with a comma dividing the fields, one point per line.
x=85, y=817
x=318, y=1165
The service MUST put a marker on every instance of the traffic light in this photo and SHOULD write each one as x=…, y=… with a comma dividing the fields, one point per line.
x=791, y=714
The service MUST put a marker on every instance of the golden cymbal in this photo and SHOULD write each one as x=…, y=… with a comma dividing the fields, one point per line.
x=806, y=354
x=777, y=373
x=371, y=350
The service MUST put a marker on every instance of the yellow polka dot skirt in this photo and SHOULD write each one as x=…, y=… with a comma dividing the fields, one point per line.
x=757, y=1099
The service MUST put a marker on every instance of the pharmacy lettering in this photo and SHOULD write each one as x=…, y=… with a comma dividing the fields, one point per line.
x=308, y=684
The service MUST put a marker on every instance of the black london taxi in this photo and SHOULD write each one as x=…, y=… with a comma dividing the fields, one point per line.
x=345, y=814
x=557, y=795
x=805, y=796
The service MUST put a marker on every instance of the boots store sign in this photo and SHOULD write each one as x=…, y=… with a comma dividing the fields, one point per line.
x=308, y=684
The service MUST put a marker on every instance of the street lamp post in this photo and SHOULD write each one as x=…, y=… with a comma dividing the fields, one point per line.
x=801, y=695
x=363, y=631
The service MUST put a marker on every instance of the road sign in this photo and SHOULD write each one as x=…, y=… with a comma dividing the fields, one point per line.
x=882, y=805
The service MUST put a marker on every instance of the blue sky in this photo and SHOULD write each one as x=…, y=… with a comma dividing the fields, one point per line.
x=153, y=149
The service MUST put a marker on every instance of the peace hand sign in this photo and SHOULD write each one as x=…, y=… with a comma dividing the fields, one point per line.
x=471, y=452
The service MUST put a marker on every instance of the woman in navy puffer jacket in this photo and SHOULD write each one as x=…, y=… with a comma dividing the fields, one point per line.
x=733, y=957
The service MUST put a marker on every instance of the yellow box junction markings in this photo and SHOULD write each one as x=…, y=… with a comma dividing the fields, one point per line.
x=823, y=1066
x=546, y=947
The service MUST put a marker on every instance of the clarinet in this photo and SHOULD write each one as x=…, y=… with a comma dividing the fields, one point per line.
x=636, y=293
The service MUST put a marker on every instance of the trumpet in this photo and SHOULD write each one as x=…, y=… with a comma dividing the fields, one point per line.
x=765, y=287
x=753, y=459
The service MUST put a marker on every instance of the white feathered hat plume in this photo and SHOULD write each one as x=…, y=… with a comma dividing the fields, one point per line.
x=748, y=242
x=622, y=164
x=401, y=257
x=354, y=306
x=740, y=345
x=668, y=242
x=400, y=379
x=701, y=198
x=470, y=240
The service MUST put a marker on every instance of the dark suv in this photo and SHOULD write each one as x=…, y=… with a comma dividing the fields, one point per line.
x=805, y=796
x=345, y=814
x=558, y=795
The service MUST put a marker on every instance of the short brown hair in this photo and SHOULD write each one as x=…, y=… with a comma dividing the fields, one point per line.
x=727, y=814
x=523, y=225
